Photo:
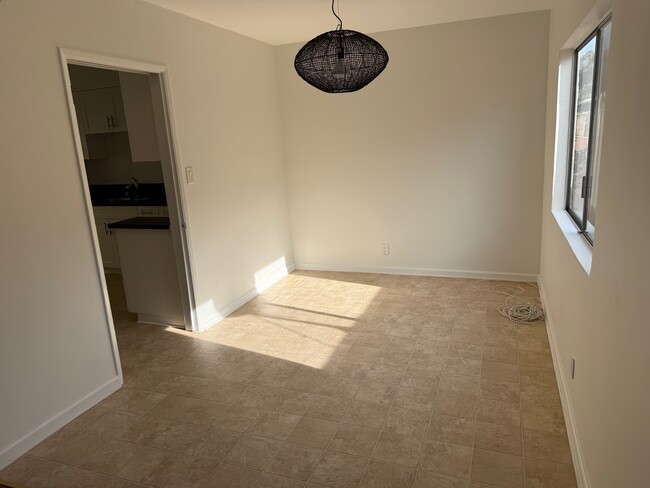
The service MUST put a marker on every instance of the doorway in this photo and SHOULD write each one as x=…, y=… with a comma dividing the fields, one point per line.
x=131, y=182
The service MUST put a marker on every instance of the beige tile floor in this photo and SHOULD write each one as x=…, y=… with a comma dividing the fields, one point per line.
x=326, y=380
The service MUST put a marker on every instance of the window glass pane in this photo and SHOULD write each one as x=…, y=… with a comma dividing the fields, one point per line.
x=598, y=127
x=582, y=121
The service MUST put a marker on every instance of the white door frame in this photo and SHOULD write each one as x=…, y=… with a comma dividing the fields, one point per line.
x=178, y=215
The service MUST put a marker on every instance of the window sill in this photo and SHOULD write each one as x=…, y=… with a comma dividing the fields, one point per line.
x=581, y=248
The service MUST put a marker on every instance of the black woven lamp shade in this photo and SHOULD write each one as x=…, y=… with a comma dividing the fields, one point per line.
x=341, y=61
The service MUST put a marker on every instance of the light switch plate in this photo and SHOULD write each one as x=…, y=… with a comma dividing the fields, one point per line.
x=189, y=175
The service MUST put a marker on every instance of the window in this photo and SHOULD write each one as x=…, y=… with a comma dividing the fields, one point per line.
x=588, y=103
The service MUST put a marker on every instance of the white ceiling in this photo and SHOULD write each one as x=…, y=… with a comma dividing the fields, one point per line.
x=284, y=21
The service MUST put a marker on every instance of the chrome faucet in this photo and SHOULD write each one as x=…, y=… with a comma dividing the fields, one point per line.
x=133, y=186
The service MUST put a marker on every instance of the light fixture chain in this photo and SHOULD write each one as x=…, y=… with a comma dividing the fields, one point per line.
x=340, y=26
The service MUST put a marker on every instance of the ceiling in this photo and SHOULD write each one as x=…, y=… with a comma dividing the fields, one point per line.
x=284, y=21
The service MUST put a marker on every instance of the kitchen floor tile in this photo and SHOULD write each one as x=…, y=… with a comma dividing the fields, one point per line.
x=366, y=414
x=427, y=479
x=498, y=469
x=446, y=459
x=147, y=465
x=398, y=449
x=382, y=475
x=354, y=440
x=253, y=452
x=213, y=444
x=338, y=470
x=186, y=472
x=229, y=476
x=295, y=461
x=500, y=438
x=275, y=425
x=541, y=474
x=453, y=430
x=547, y=446
x=328, y=408
x=313, y=432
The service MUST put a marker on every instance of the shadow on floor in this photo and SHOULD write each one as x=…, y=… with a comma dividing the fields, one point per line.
x=326, y=379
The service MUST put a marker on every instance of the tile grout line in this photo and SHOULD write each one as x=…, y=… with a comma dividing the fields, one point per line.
x=315, y=394
x=340, y=422
x=435, y=402
x=521, y=407
x=478, y=397
x=393, y=403
x=243, y=433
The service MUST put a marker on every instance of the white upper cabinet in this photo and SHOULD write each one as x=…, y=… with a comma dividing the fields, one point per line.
x=98, y=100
x=104, y=110
x=110, y=101
x=138, y=109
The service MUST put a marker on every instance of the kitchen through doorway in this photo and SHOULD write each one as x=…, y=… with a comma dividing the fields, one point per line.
x=130, y=179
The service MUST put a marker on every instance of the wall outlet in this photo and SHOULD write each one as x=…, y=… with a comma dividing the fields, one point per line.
x=573, y=368
x=385, y=249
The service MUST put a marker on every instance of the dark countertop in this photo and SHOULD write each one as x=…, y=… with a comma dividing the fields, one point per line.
x=148, y=194
x=154, y=223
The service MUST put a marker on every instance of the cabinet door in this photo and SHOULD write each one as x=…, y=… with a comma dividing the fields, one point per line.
x=107, y=239
x=104, y=110
x=118, y=121
x=116, y=253
x=99, y=107
x=107, y=244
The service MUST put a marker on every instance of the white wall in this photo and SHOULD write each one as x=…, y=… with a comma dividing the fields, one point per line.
x=441, y=156
x=54, y=343
x=600, y=318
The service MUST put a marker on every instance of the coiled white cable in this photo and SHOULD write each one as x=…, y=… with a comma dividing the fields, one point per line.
x=515, y=307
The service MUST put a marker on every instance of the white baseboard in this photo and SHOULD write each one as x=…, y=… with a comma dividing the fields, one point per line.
x=269, y=279
x=271, y=274
x=150, y=319
x=13, y=451
x=442, y=273
x=226, y=310
x=572, y=433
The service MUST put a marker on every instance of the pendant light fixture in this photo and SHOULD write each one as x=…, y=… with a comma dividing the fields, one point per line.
x=341, y=60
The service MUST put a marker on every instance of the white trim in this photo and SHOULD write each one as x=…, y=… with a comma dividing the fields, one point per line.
x=582, y=250
x=183, y=252
x=38, y=434
x=572, y=431
x=226, y=310
x=443, y=273
x=244, y=298
x=599, y=12
x=99, y=60
x=271, y=274
x=71, y=56
x=182, y=239
x=163, y=321
x=99, y=265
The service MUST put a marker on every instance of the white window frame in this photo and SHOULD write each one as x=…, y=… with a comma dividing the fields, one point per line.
x=581, y=247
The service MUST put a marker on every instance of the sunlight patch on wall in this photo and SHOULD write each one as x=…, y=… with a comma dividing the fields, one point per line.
x=270, y=274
